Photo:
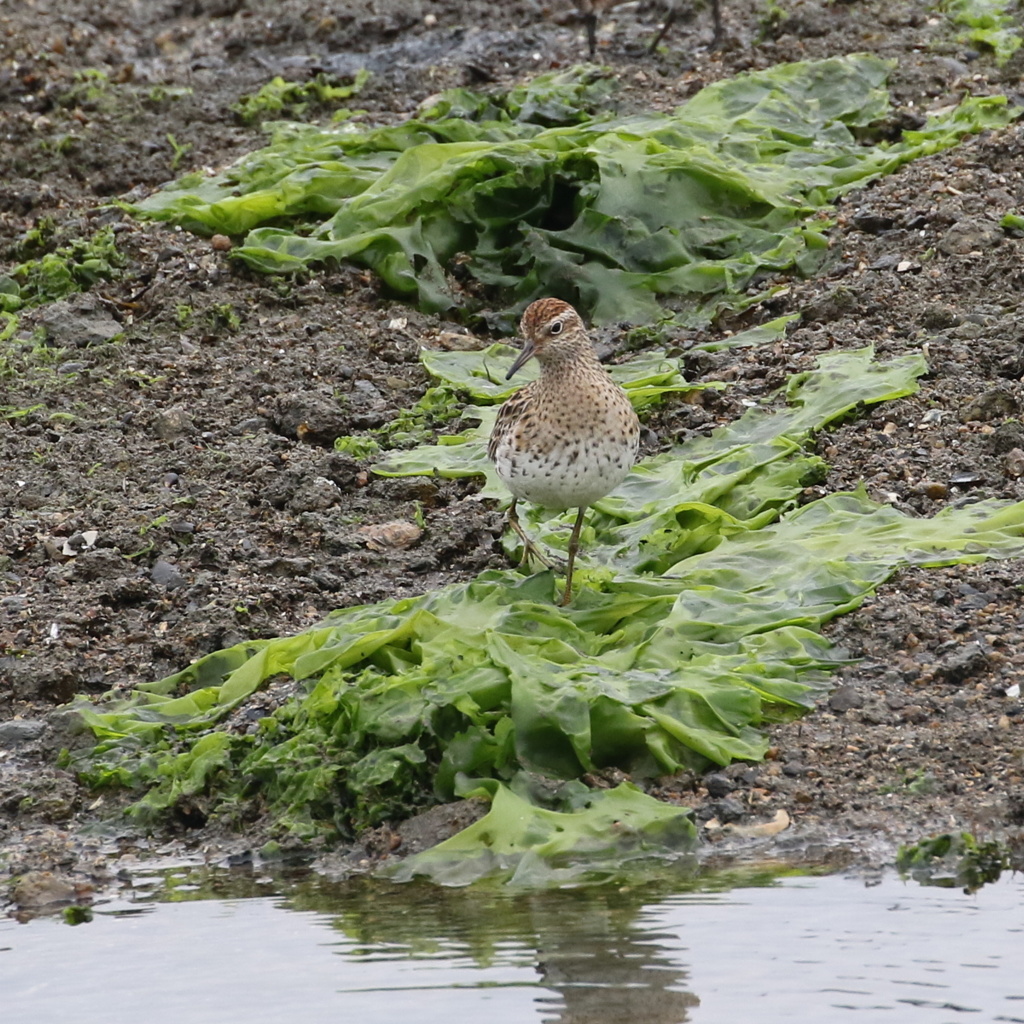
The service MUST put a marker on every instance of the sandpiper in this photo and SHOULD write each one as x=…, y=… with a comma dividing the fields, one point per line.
x=590, y=9
x=568, y=438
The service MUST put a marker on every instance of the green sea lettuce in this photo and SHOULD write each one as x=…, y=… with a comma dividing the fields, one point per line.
x=631, y=218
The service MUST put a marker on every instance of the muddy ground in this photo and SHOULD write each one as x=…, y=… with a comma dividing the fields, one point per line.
x=156, y=503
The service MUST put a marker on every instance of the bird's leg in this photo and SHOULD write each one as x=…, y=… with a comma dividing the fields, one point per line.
x=590, y=24
x=529, y=548
x=656, y=41
x=574, y=543
x=716, y=15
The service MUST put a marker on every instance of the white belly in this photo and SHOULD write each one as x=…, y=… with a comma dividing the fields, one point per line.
x=570, y=476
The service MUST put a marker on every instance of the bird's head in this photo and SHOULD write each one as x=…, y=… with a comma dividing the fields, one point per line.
x=551, y=329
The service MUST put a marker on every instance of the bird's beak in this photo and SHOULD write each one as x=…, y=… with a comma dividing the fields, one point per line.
x=524, y=357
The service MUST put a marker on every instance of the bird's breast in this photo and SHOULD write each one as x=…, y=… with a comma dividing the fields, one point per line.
x=565, y=473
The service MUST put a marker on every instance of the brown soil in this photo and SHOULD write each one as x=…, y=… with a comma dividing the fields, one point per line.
x=173, y=435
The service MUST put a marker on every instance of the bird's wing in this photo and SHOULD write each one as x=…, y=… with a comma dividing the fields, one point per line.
x=508, y=415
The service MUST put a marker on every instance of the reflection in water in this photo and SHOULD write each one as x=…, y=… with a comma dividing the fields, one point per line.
x=217, y=947
x=614, y=974
x=587, y=945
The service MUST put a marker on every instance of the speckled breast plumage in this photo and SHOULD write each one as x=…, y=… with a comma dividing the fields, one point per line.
x=570, y=475
x=566, y=454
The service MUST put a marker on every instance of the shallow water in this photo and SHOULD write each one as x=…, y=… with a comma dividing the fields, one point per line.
x=800, y=949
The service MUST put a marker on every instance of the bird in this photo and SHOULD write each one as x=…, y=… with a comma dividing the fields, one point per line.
x=590, y=9
x=568, y=438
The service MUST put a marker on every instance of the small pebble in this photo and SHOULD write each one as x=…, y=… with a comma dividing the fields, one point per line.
x=1014, y=462
x=166, y=575
x=846, y=698
x=393, y=536
x=718, y=785
x=20, y=730
x=934, y=489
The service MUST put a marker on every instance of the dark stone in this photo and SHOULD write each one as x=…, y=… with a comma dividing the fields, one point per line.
x=744, y=774
x=369, y=420
x=342, y=470
x=67, y=730
x=166, y=575
x=1006, y=437
x=100, y=564
x=276, y=488
x=20, y=730
x=890, y=261
x=328, y=581
x=833, y=305
x=728, y=810
x=718, y=785
x=970, y=236
x=874, y=715
x=286, y=567
x=871, y=222
x=310, y=417
x=314, y=495
x=938, y=317
x=410, y=489
x=79, y=321
x=127, y=591
x=172, y=423
x=846, y=698
x=806, y=24
x=997, y=403
x=1015, y=808
x=252, y=425
x=969, y=660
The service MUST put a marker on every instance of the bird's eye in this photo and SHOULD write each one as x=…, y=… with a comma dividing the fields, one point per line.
x=555, y=328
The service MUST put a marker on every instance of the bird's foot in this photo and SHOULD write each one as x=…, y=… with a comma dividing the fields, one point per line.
x=530, y=550
x=532, y=553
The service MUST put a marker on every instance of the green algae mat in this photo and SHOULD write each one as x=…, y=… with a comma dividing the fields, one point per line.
x=986, y=24
x=703, y=583
x=489, y=202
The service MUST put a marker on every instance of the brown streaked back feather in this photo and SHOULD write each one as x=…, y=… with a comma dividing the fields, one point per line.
x=509, y=415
